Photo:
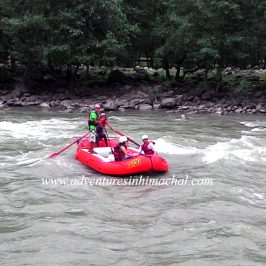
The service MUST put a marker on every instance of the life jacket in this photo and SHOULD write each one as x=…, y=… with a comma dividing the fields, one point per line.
x=118, y=153
x=92, y=123
x=144, y=147
x=102, y=122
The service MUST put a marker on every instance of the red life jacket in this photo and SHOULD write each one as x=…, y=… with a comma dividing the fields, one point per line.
x=144, y=147
x=101, y=121
x=118, y=153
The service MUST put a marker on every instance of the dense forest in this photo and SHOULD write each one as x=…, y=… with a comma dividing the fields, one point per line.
x=60, y=38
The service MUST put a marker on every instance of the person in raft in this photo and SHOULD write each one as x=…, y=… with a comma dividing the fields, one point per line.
x=92, y=123
x=100, y=128
x=120, y=150
x=147, y=147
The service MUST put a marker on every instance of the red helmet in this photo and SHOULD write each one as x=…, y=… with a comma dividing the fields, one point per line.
x=103, y=114
x=97, y=106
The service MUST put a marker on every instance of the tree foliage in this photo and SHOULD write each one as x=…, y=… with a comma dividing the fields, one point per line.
x=40, y=37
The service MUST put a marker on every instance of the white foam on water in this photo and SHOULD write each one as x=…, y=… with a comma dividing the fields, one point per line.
x=258, y=130
x=253, y=124
x=249, y=195
x=43, y=129
x=247, y=148
x=21, y=159
x=163, y=145
x=113, y=117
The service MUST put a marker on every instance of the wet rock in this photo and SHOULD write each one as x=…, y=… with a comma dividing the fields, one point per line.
x=183, y=107
x=156, y=105
x=202, y=107
x=258, y=94
x=144, y=107
x=179, y=97
x=239, y=110
x=168, y=102
x=168, y=94
x=179, y=102
x=66, y=104
x=32, y=98
x=110, y=105
x=14, y=102
x=17, y=92
x=196, y=99
x=251, y=105
x=219, y=111
x=3, y=92
x=2, y=104
x=135, y=102
x=30, y=103
x=45, y=105
x=83, y=110
x=225, y=105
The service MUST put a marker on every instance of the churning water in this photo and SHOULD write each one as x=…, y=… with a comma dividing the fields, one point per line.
x=219, y=223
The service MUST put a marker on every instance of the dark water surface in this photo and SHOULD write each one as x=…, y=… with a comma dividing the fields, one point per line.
x=223, y=223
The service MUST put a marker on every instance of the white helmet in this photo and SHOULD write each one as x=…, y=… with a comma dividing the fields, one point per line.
x=122, y=139
x=145, y=137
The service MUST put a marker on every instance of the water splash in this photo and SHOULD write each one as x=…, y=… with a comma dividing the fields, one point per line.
x=247, y=148
x=164, y=145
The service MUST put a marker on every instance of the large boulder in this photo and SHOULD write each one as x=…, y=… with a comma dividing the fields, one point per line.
x=168, y=103
x=135, y=102
x=239, y=110
x=258, y=94
x=83, y=110
x=144, y=107
x=66, y=104
x=156, y=105
x=16, y=93
x=14, y=102
x=45, y=105
x=30, y=103
x=110, y=105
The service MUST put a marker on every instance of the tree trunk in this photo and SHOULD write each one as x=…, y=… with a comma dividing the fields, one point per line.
x=166, y=67
x=68, y=73
x=219, y=77
x=206, y=74
x=177, y=74
x=151, y=62
x=147, y=59
x=13, y=65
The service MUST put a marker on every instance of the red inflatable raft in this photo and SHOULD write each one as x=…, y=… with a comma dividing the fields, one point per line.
x=103, y=162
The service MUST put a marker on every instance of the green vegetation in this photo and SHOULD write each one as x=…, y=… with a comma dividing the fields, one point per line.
x=65, y=38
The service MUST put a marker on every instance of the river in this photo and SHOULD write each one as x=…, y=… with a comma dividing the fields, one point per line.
x=222, y=222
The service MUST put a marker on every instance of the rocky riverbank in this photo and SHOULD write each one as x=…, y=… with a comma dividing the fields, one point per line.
x=186, y=97
x=139, y=98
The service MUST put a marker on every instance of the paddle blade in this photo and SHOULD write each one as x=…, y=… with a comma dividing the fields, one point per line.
x=53, y=155
x=56, y=153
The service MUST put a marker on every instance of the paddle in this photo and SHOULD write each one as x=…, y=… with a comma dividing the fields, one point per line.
x=108, y=140
x=119, y=133
x=63, y=149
